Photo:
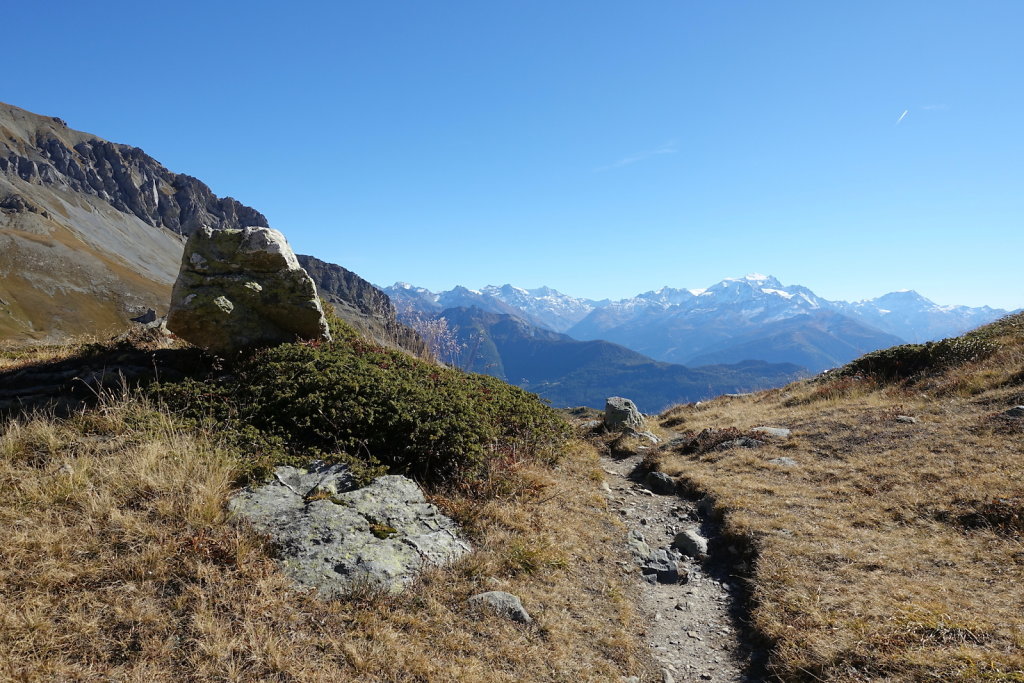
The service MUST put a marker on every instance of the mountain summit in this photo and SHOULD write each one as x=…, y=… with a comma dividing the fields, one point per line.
x=742, y=318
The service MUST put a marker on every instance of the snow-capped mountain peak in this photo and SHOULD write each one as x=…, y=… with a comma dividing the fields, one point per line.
x=751, y=300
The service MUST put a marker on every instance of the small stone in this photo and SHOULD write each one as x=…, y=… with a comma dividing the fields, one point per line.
x=692, y=544
x=502, y=604
x=660, y=483
x=666, y=676
x=906, y=419
x=605, y=487
x=784, y=462
x=780, y=432
x=643, y=436
x=692, y=634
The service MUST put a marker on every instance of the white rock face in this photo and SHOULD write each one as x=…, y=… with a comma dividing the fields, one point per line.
x=243, y=288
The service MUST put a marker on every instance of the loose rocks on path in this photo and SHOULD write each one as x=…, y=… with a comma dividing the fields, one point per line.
x=690, y=626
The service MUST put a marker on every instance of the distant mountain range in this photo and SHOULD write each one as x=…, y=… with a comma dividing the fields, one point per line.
x=750, y=318
x=568, y=372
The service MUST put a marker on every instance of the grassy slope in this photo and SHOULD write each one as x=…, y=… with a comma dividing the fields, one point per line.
x=891, y=551
x=118, y=561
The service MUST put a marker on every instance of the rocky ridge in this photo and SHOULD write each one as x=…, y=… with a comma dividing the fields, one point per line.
x=44, y=151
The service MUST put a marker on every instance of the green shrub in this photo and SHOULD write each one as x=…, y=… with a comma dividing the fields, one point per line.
x=909, y=360
x=353, y=400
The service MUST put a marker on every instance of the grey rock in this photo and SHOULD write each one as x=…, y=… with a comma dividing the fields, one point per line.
x=502, y=604
x=645, y=436
x=906, y=419
x=335, y=538
x=666, y=676
x=660, y=483
x=706, y=506
x=146, y=318
x=781, y=432
x=742, y=442
x=691, y=543
x=620, y=413
x=638, y=545
x=663, y=567
x=242, y=288
x=785, y=462
x=1016, y=411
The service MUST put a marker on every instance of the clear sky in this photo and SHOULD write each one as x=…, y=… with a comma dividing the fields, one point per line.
x=602, y=148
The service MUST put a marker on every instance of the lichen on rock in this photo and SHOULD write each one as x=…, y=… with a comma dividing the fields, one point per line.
x=335, y=538
x=243, y=288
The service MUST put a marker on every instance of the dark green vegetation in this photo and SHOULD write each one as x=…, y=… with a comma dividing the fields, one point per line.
x=569, y=372
x=915, y=360
x=373, y=407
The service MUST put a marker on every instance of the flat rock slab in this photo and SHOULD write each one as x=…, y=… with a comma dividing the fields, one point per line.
x=336, y=539
x=781, y=432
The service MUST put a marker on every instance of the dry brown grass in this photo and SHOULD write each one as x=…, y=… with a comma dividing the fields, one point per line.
x=891, y=551
x=117, y=563
x=15, y=355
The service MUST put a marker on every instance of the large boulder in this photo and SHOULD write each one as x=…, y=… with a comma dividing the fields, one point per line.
x=336, y=538
x=621, y=413
x=243, y=288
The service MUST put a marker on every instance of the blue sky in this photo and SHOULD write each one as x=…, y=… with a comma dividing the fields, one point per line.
x=602, y=148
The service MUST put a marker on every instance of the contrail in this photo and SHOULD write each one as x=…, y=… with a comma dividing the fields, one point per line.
x=902, y=116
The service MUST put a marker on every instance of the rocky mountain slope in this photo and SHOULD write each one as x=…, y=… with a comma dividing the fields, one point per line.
x=754, y=317
x=572, y=373
x=360, y=303
x=91, y=234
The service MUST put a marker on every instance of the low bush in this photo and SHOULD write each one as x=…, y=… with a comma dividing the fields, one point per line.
x=910, y=360
x=354, y=400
